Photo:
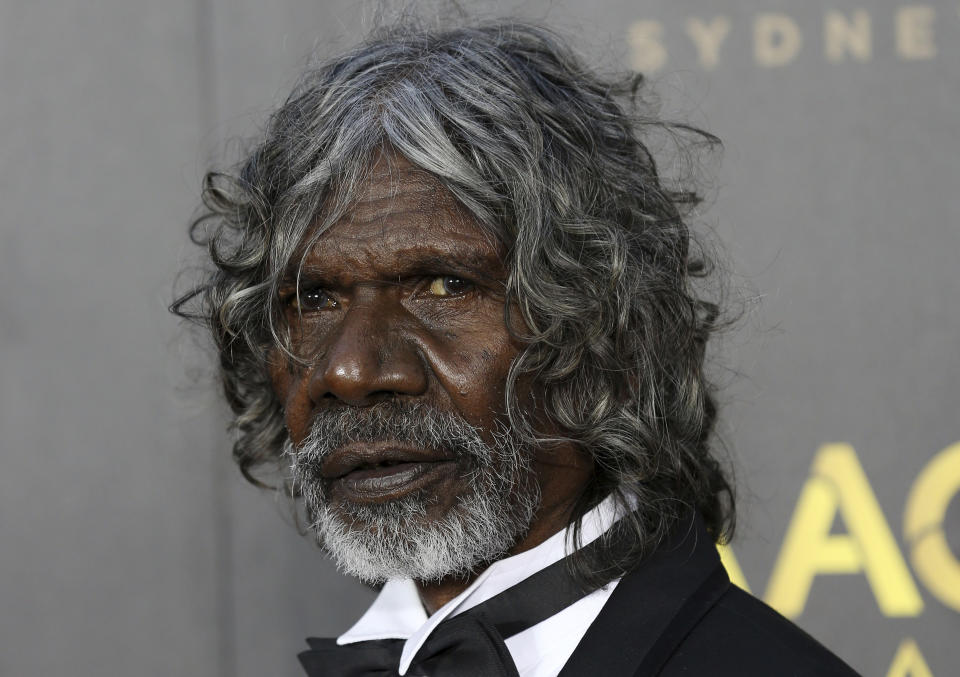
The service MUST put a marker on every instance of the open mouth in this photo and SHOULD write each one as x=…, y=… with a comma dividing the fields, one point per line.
x=380, y=472
x=380, y=465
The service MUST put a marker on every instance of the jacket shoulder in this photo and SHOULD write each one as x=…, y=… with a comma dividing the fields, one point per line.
x=741, y=635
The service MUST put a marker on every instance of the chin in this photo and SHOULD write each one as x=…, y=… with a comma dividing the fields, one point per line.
x=414, y=537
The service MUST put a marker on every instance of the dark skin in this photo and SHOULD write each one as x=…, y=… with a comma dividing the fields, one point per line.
x=403, y=299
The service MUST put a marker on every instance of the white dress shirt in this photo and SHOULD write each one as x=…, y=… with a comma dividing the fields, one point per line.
x=539, y=651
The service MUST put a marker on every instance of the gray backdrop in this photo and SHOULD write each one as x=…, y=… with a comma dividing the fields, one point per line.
x=131, y=546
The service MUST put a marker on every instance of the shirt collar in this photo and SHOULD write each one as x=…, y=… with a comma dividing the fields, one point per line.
x=397, y=612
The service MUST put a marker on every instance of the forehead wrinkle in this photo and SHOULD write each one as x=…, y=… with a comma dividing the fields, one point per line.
x=395, y=178
x=422, y=204
x=381, y=218
x=388, y=223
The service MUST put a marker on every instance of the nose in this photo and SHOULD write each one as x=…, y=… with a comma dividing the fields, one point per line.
x=367, y=358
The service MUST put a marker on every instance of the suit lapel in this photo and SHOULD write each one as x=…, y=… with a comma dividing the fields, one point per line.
x=652, y=609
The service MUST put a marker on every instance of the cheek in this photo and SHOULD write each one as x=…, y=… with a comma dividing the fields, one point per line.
x=472, y=368
x=288, y=384
x=308, y=334
x=279, y=371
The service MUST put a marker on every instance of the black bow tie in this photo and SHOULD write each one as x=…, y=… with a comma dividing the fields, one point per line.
x=466, y=645
x=470, y=644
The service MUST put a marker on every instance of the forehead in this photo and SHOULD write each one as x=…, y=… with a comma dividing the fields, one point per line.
x=399, y=210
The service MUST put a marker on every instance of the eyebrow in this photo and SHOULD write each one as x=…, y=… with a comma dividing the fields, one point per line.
x=477, y=265
x=413, y=262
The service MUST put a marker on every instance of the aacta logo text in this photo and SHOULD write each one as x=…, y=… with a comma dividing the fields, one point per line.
x=838, y=488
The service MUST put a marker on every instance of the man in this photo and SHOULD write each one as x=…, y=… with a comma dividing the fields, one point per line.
x=453, y=294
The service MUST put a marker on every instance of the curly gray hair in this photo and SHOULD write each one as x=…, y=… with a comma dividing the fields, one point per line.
x=555, y=160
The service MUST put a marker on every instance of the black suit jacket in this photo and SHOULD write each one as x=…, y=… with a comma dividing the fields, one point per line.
x=677, y=615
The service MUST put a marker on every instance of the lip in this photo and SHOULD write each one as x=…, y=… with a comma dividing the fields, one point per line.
x=367, y=455
x=383, y=471
x=379, y=485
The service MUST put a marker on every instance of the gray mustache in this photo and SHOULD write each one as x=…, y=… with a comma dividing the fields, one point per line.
x=415, y=424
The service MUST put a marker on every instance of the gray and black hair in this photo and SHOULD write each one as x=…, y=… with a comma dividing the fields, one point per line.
x=555, y=159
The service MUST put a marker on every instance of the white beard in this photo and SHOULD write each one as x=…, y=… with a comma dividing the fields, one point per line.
x=377, y=542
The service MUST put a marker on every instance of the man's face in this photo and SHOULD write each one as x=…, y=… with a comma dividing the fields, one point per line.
x=397, y=427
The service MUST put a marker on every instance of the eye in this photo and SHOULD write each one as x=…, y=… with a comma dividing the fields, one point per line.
x=309, y=300
x=449, y=285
